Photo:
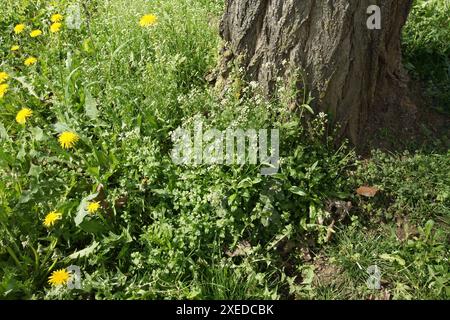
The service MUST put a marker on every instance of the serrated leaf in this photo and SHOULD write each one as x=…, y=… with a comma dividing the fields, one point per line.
x=82, y=211
x=3, y=133
x=85, y=252
x=34, y=171
x=21, y=154
x=61, y=127
x=38, y=133
x=393, y=258
x=90, y=105
x=26, y=85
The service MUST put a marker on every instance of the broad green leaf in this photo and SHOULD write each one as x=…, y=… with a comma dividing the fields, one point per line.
x=248, y=182
x=297, y=190
x=307, y=107
x=93, y=226
x=28, y=195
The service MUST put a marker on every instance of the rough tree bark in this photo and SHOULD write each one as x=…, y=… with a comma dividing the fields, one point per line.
x=354, y=73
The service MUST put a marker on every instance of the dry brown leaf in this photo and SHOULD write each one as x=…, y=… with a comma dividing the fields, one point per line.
x=367, y=191
x=405, y=230
x=330, y=231
x=243, y=249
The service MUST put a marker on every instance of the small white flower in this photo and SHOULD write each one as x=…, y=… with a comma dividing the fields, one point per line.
x=253, y=84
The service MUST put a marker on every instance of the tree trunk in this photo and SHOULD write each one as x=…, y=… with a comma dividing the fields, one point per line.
x=354, y=73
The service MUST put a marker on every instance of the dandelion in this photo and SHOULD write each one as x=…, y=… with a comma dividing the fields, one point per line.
x=148, y=20
x=30, y=61
x=56, y=18
x=3, y=77
x=3, y=89
x=51, y=218
x=59, y=277
x=23, y=115
x=15, y=48
x=55, y=27
x=35, y=33
x=68, y=139
x=19, y=28
x=93, y=207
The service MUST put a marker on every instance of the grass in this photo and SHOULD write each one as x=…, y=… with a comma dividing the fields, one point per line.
x=414, y=269
x=427, y=50
x=164, y=231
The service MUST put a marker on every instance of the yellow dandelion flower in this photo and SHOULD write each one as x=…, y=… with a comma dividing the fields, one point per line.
x=3, y=77
x=148, y=20
x=93, y=207
x=19, y=28
x=68, y=139
x=51, y=218
x=15, y=48
x=3, y=89
x=23, y=115
x=55, y=27
x=59, y=277
x=30, y=61
x=56, y=18
x=35, y=33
